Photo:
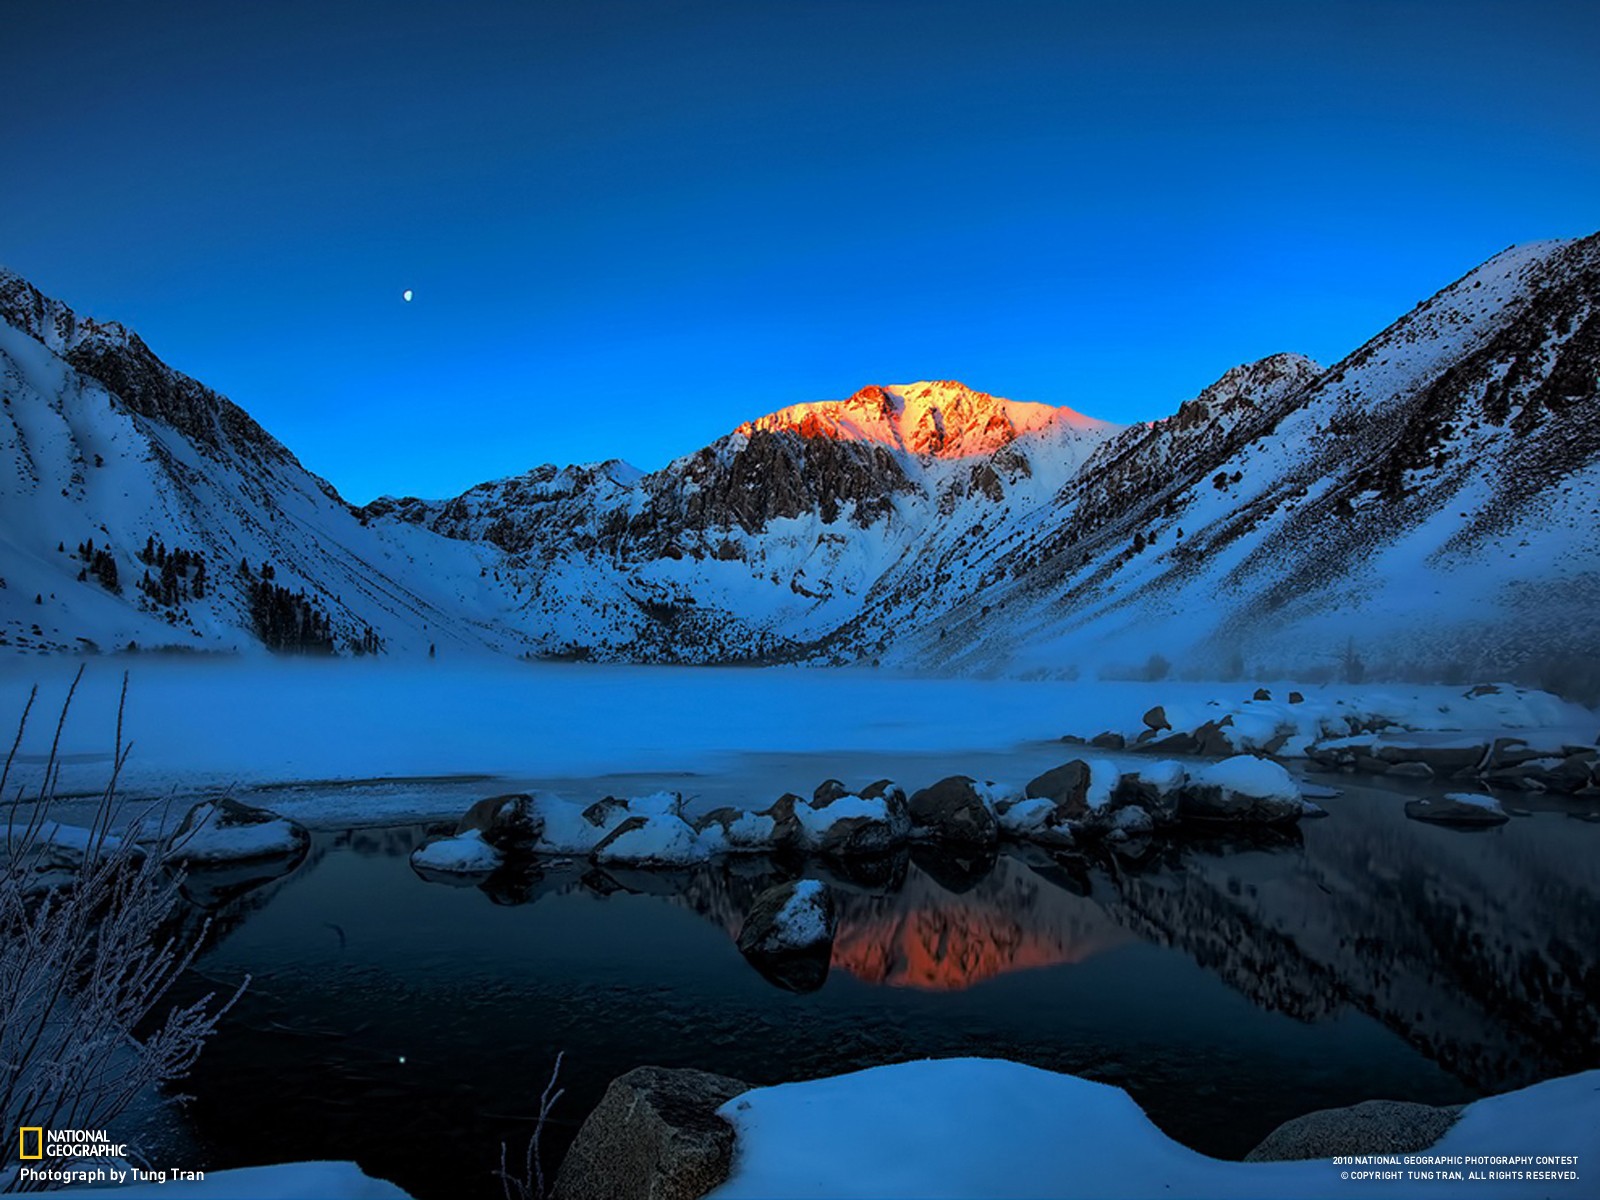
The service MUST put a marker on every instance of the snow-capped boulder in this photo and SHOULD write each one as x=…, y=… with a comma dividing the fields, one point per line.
x=953, y=812
x=1458, y=808
x=735, y=829
x=1038, y=820
x=828, y=791
x=1152, y=788
x=841, y=825
x=224, y=830
x=606, y=812
x=567, y=828
x=788, y=934
x=1242, y=789
x=462, y=854
x=653, y=840
x=798, y=915
x=511, y=824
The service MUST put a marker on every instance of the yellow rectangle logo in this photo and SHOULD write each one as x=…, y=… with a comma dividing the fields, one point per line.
x=38, y=1141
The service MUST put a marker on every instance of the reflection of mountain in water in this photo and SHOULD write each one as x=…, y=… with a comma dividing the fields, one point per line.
x=1480, y=950
x=926, y=937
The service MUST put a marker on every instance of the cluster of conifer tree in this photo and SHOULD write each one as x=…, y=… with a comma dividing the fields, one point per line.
x=100, y=563
x=286, y=622
x=172, y=578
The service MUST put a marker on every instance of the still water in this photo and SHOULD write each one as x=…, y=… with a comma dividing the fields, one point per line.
x=1226, y=985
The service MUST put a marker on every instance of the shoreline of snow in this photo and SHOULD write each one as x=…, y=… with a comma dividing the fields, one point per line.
x=986, y=1129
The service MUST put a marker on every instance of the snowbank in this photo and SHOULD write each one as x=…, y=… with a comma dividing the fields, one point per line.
x=986, y=1128
x=286, y=1181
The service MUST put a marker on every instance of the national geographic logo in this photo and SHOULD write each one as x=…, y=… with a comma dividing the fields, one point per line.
x=35, y=1143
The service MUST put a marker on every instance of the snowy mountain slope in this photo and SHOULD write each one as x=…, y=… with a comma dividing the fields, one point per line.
x=107, y=455
x=1430, y=502
x=770, y=537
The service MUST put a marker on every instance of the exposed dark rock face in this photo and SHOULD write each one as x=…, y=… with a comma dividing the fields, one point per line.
x=655, y=1135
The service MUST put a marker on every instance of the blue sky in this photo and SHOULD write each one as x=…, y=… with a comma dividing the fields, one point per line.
x=631, y=226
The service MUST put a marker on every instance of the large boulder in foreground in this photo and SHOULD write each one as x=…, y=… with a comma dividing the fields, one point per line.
x=224, y=830
x=1372, y=1127
x=655, y=1135
x=511, y=824
x=952, y=812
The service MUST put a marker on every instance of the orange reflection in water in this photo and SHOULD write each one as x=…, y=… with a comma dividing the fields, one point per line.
x=948, y=948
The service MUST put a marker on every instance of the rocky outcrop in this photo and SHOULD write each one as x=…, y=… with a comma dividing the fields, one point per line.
x=655, y=1135
x=1373, y=1127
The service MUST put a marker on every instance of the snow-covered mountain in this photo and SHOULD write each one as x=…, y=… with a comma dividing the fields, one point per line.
x=141, y=507
x=1428, y=504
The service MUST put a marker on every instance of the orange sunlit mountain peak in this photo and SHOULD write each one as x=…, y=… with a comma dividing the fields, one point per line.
x=930, y=418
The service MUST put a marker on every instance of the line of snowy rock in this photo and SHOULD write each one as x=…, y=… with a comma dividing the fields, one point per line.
x=1077, y=803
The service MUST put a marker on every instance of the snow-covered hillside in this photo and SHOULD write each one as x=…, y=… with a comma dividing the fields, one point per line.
x=1426, y=505
x=140, y=507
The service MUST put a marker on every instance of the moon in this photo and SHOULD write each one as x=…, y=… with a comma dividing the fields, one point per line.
x=406, y=295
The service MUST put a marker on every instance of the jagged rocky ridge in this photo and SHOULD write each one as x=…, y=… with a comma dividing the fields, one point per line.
x=1431, y=498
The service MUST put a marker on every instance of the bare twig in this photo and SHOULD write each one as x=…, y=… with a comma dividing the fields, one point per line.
x=531, y=1184
x=86, y=964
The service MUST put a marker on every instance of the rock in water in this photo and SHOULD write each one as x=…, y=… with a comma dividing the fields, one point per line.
x=797, y=915
x=508, y=823
x=1067, y=786
x=1372, y=1127
x=655, y=1135
x=788, y=935
x=224, y=830
x=1460, y=808
x=952, y=813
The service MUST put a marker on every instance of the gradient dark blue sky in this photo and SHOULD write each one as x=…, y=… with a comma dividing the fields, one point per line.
x=631, y=226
